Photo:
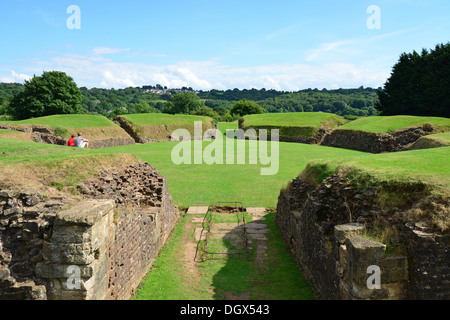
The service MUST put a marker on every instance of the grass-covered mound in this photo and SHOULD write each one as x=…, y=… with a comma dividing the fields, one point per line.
x=385, y=134
x=432, y=141
x=306, y=125
x=93, y=127
x=390, y=124
x=417, y=181
x=160, y=126
x=30, y=165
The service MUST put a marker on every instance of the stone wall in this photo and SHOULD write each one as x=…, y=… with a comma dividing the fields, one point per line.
x=399, y=140
x=145, y=216
x=356, y=255
x=305, y=135
x=310, y=217
x=26, y=222
x=108, y=240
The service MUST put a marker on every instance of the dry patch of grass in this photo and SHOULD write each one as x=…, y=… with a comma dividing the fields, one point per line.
x=102, y=133
x=15, y=135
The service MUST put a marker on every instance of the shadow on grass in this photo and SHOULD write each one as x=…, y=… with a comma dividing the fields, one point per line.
x=266, y=272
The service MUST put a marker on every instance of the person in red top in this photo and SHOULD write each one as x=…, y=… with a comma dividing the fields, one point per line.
x=71, y=142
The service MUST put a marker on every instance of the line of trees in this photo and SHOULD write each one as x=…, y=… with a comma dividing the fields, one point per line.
x=419, y=85
x=113, y=102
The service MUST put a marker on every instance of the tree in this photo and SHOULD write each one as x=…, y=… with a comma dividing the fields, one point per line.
x=221, y=110
x=184, y=103
x=2, y=106
x=52, y=93
x=144, y=107
x=419, y=85
x=245, y=107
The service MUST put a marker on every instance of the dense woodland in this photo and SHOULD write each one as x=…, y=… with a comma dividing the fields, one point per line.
x=112, y=102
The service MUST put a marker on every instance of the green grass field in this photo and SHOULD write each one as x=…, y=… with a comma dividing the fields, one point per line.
x=392, y=123
x=205, y=184
x=199, y=184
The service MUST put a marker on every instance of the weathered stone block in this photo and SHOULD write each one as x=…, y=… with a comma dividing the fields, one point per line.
x=362, y=253
x=72, y=234
x=50, y=271
x=85, y=213
x=346, y=231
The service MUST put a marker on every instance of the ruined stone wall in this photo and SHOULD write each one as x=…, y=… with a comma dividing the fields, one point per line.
x=310, y=219
x=144, y=218
x=375, y=142
x=429, y=261
x=110, y=238
x=26, y=223
x=305, y=135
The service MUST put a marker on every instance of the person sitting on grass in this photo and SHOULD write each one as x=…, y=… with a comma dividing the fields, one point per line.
x=81, y=142
x=71, y=142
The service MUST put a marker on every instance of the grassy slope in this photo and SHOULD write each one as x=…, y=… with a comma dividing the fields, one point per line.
x=31, y=162
x=389, y=124
x=68, y=121
x=15, y=135
x=432, y=141
x=159, y=126
x=297, y=119
x=164, y=119
x=93, y=127
x=429, y=166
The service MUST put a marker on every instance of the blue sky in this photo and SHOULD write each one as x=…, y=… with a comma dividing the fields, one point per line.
x=283, y=45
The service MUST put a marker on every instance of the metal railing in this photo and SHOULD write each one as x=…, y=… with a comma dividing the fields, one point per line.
x=210, y=223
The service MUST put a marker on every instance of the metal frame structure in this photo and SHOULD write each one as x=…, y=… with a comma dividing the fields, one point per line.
x=220, y=204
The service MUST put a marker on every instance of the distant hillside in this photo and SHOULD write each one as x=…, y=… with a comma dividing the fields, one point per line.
x=113, y=102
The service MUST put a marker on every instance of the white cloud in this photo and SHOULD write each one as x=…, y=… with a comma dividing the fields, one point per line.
x=95, y=71
x=106, y=50
x=15, y=77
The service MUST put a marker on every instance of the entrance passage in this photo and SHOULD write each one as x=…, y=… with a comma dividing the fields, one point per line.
x=225, y=251
x=227, y=228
